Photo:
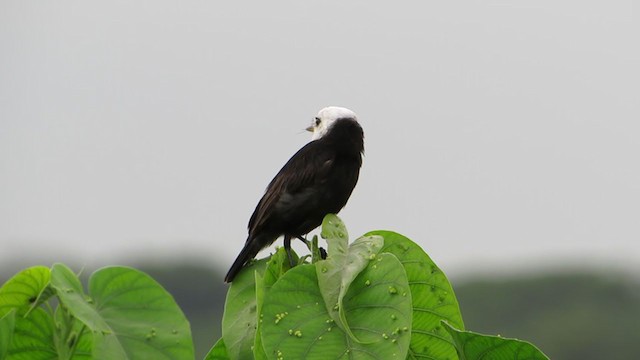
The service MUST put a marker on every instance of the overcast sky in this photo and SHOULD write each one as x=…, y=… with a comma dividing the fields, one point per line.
x=499, y=135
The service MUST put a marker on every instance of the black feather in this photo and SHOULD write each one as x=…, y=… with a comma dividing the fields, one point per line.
x=316, y=181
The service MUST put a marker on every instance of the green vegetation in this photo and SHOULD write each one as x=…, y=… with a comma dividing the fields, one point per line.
x=381, y=297
x=125, y=315
x=571, y=316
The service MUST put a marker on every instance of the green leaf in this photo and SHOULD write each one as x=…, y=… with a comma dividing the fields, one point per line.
x=335, y=233
x=145, y=321
x=433, y=298
x=218, y=351
x=258, y=349
x=36, y=338
x=71, y=294
x=43, y=297
x=316, y=254
x=72, y=339
x=343, y=264
x=276, y=266
x=7, y=324
x=297, y=325
x=240, y=312
x=474, y=346
x=23, y=289
x=130, y=314
x=239, y=321
x=33, y=337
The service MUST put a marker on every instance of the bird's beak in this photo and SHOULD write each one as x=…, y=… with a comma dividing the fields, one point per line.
x=309, y=129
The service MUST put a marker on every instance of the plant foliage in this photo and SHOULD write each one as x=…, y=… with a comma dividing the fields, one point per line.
x=380, y=297
x=124, y=315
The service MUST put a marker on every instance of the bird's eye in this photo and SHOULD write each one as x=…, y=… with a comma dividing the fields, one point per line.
x=317, y=121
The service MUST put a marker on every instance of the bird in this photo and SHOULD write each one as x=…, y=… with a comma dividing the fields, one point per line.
x=317, y=180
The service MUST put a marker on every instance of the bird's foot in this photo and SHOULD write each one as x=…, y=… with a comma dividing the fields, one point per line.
x=292, y=262
x=305, y=241
x=287, y=248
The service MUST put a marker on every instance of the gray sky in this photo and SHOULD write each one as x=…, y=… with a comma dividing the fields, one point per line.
x=500, y=135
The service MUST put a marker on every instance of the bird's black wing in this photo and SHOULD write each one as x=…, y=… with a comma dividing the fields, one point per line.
x=309, y=165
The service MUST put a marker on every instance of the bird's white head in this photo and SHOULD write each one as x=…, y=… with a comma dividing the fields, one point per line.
x=326, y=117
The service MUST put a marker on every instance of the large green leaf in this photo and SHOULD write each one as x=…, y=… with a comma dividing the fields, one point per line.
x=218, y=351
x=241, y=309
x=33, y=337
x=343, y=264
x=23, y=289
x=433, y=298
x=276, y=266
x=474, y=346
x=71, y=294
x=36, y=338
x=130, y=314
x=240, y=312
x=144, y=318
x=7, y=324
x=377, y=305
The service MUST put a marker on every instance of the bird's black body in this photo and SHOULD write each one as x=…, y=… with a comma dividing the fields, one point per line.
x=316, y=181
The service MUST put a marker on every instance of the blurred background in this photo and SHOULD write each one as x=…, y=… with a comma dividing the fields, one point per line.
x=501, y=136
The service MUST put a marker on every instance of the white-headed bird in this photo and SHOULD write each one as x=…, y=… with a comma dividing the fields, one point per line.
x=316, y=181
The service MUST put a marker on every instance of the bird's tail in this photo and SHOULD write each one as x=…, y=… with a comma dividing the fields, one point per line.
x=248, y=252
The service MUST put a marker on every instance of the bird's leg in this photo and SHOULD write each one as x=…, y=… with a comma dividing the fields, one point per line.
x=287, y=248
x=305, y=241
